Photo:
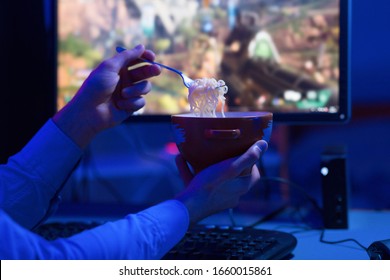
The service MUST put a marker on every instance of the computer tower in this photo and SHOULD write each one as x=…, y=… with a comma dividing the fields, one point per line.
x=334, y=173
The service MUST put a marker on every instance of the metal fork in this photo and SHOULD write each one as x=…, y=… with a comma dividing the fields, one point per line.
x=186, y=80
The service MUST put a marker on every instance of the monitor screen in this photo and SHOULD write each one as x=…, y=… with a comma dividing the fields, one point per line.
x=287, y=57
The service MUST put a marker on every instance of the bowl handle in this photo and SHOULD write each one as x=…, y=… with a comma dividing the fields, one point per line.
x=222, y=133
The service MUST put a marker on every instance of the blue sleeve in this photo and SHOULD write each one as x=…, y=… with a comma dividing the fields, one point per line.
x=31, y=178
x=146, y=235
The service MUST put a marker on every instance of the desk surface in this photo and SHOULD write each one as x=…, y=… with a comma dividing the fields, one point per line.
x=365, y=226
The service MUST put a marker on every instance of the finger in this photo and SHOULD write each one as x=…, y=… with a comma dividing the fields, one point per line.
x=124, y=58
x=131, y=104
x=241, y=165
x=242, y=184
x=149, y=55
x=255, y=176
x=140, y=73
x=184, y=171
x=138, y=89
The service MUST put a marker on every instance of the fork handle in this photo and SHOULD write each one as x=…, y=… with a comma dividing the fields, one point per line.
x=121, y=49
x=161, y=65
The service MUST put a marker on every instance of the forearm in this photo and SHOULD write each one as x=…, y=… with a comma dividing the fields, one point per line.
x=33, y=176
x=146, y=235
x=149, y=234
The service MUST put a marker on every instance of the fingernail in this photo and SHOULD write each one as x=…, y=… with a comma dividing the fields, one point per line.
x=141, y=85
x=262, y=145
x=120, y=49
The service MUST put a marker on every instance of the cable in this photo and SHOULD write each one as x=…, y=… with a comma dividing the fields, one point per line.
x=282, y=208
x=263, y=173
x=231, y=217
x=340, y=241
x=312, y=200
x=296, y=186
x=271, y=215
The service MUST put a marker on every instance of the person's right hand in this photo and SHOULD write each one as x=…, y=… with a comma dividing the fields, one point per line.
x=221, y=185
x=108, y=96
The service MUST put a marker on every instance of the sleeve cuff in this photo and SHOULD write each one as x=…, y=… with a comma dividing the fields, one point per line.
x=171, y=220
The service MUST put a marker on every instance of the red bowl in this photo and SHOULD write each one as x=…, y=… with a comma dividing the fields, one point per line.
x=203, y=141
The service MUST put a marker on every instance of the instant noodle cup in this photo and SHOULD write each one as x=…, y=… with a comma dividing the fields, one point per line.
x=203, y=141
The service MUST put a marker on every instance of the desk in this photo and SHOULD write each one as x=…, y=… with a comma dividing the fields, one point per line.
x=365, y=226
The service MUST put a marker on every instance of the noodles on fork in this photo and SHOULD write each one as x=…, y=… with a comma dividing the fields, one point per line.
x=204, y=96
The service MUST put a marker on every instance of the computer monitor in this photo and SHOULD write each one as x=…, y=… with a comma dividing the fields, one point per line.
x=287, y=57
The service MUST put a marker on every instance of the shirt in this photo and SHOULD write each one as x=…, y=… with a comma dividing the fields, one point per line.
x=29, y=184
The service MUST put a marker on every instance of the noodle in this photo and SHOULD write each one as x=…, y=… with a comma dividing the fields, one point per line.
x=204, y=95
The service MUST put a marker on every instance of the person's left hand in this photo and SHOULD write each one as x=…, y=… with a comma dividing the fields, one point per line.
x=221, y=185
x=108, y=96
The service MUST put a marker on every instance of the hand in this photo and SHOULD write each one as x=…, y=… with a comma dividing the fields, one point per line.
x=108, y=96
x=219, y=186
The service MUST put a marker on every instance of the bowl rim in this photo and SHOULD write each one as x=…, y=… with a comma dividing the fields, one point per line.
x=228, y=115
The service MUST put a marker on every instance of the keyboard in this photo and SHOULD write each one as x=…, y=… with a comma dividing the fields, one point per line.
x=205, y=242
x=54, y=230
x=210, y=242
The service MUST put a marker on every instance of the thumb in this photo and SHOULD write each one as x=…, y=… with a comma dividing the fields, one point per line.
x=243, y=163
x=234, y=167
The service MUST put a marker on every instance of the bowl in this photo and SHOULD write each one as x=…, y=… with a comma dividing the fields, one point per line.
x=203, y=141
